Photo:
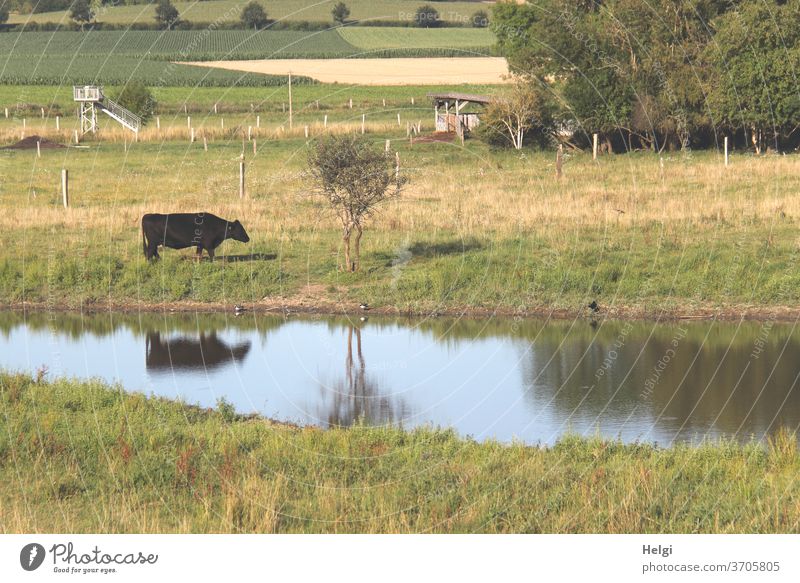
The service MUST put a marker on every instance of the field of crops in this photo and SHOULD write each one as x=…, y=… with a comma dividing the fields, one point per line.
x=202, y=45
x=286, y=10
x=57, y=70
x=369, y=38
x=181, y=45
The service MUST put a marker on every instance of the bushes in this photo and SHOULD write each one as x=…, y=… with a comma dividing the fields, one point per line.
x=136, y=97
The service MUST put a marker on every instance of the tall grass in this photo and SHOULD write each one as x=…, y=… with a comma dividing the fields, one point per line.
x=474, y=229
x=84, y=457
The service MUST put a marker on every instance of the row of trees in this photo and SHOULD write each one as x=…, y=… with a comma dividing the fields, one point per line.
x=661, y=74
x=167, y=17
x=253, y=14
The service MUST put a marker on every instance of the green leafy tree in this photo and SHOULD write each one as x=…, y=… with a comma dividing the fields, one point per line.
x=756, y=57
x=427, y=16
x=167, y=15
x=521, y=115
x=354, y=178
x=480, y=19
x=138, y=98
x=254, y=16
x=3, y=12
x=81, y=12
x=340, y=13
x=629, y=71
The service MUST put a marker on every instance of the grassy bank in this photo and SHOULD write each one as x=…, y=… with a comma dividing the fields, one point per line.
x=475, y=229
x=84, y=457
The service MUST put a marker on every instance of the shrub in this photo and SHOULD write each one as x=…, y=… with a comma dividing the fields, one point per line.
x=427, y=17
x=136, y=97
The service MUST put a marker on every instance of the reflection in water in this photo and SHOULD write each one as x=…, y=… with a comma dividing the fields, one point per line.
x=357, y=397
x=180, y=353
x=529, y=380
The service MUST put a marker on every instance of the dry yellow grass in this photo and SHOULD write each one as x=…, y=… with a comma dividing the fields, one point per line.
x=400, y=71
x=473, y=192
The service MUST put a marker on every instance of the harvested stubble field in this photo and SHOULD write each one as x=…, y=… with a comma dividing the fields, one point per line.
x=479, y=230
x=395, y=71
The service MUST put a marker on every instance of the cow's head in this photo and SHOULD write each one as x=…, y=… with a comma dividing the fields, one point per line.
x=236, y=231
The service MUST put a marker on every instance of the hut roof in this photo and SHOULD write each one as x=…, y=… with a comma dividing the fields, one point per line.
x=465, y=97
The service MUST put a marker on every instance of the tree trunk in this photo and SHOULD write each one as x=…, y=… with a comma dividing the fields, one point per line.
x=346, y=241
x=357, y=249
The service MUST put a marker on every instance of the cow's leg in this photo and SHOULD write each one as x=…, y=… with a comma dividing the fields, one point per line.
x=199, y=253
x=211, y=253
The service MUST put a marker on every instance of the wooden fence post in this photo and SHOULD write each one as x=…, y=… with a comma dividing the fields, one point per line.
x=58, y=123
x=65, y=187
x=205, y=144
x=325, y=121
x=191, y=138
x=42, y=112
x=6, y=113
x=258, y=121
x=363, y=121
x=158, y=122
x=188, y=121
x=76, y=137
x=215, y=108
x=388, y=145
x=249, y=133
x=38, y=149
x=397, y=166
x=305, y=129
x=254, y=146
x=241, y=177
x=398, y=120
x=594, y=146
x=559, y=160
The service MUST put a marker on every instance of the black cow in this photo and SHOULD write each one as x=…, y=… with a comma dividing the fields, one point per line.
x=181, y=230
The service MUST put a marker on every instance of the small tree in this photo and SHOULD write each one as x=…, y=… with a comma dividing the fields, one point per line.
x=166, y=14
x=254, y=16
x=427, y=17
x=136, y=97
x=3, y=12
x=353, y=178
x=81, y=12
x=508, y=120
x=340, y=13
x=480, y=19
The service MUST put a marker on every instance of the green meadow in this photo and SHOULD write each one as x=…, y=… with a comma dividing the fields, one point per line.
x=85, y=457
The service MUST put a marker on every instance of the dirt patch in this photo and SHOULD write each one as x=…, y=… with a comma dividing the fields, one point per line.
x=423, y=71
x=29, y=143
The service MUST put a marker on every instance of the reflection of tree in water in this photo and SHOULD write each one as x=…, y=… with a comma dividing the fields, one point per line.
x=358, y=397
x=208, y=352
x=709, y=383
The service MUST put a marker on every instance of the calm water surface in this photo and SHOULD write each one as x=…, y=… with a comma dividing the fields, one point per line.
x=530, y=380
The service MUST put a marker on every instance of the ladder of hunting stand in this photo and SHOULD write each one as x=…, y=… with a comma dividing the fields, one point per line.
x=91, y=98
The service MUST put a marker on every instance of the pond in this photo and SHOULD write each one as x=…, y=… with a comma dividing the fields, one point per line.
x=497, y=378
